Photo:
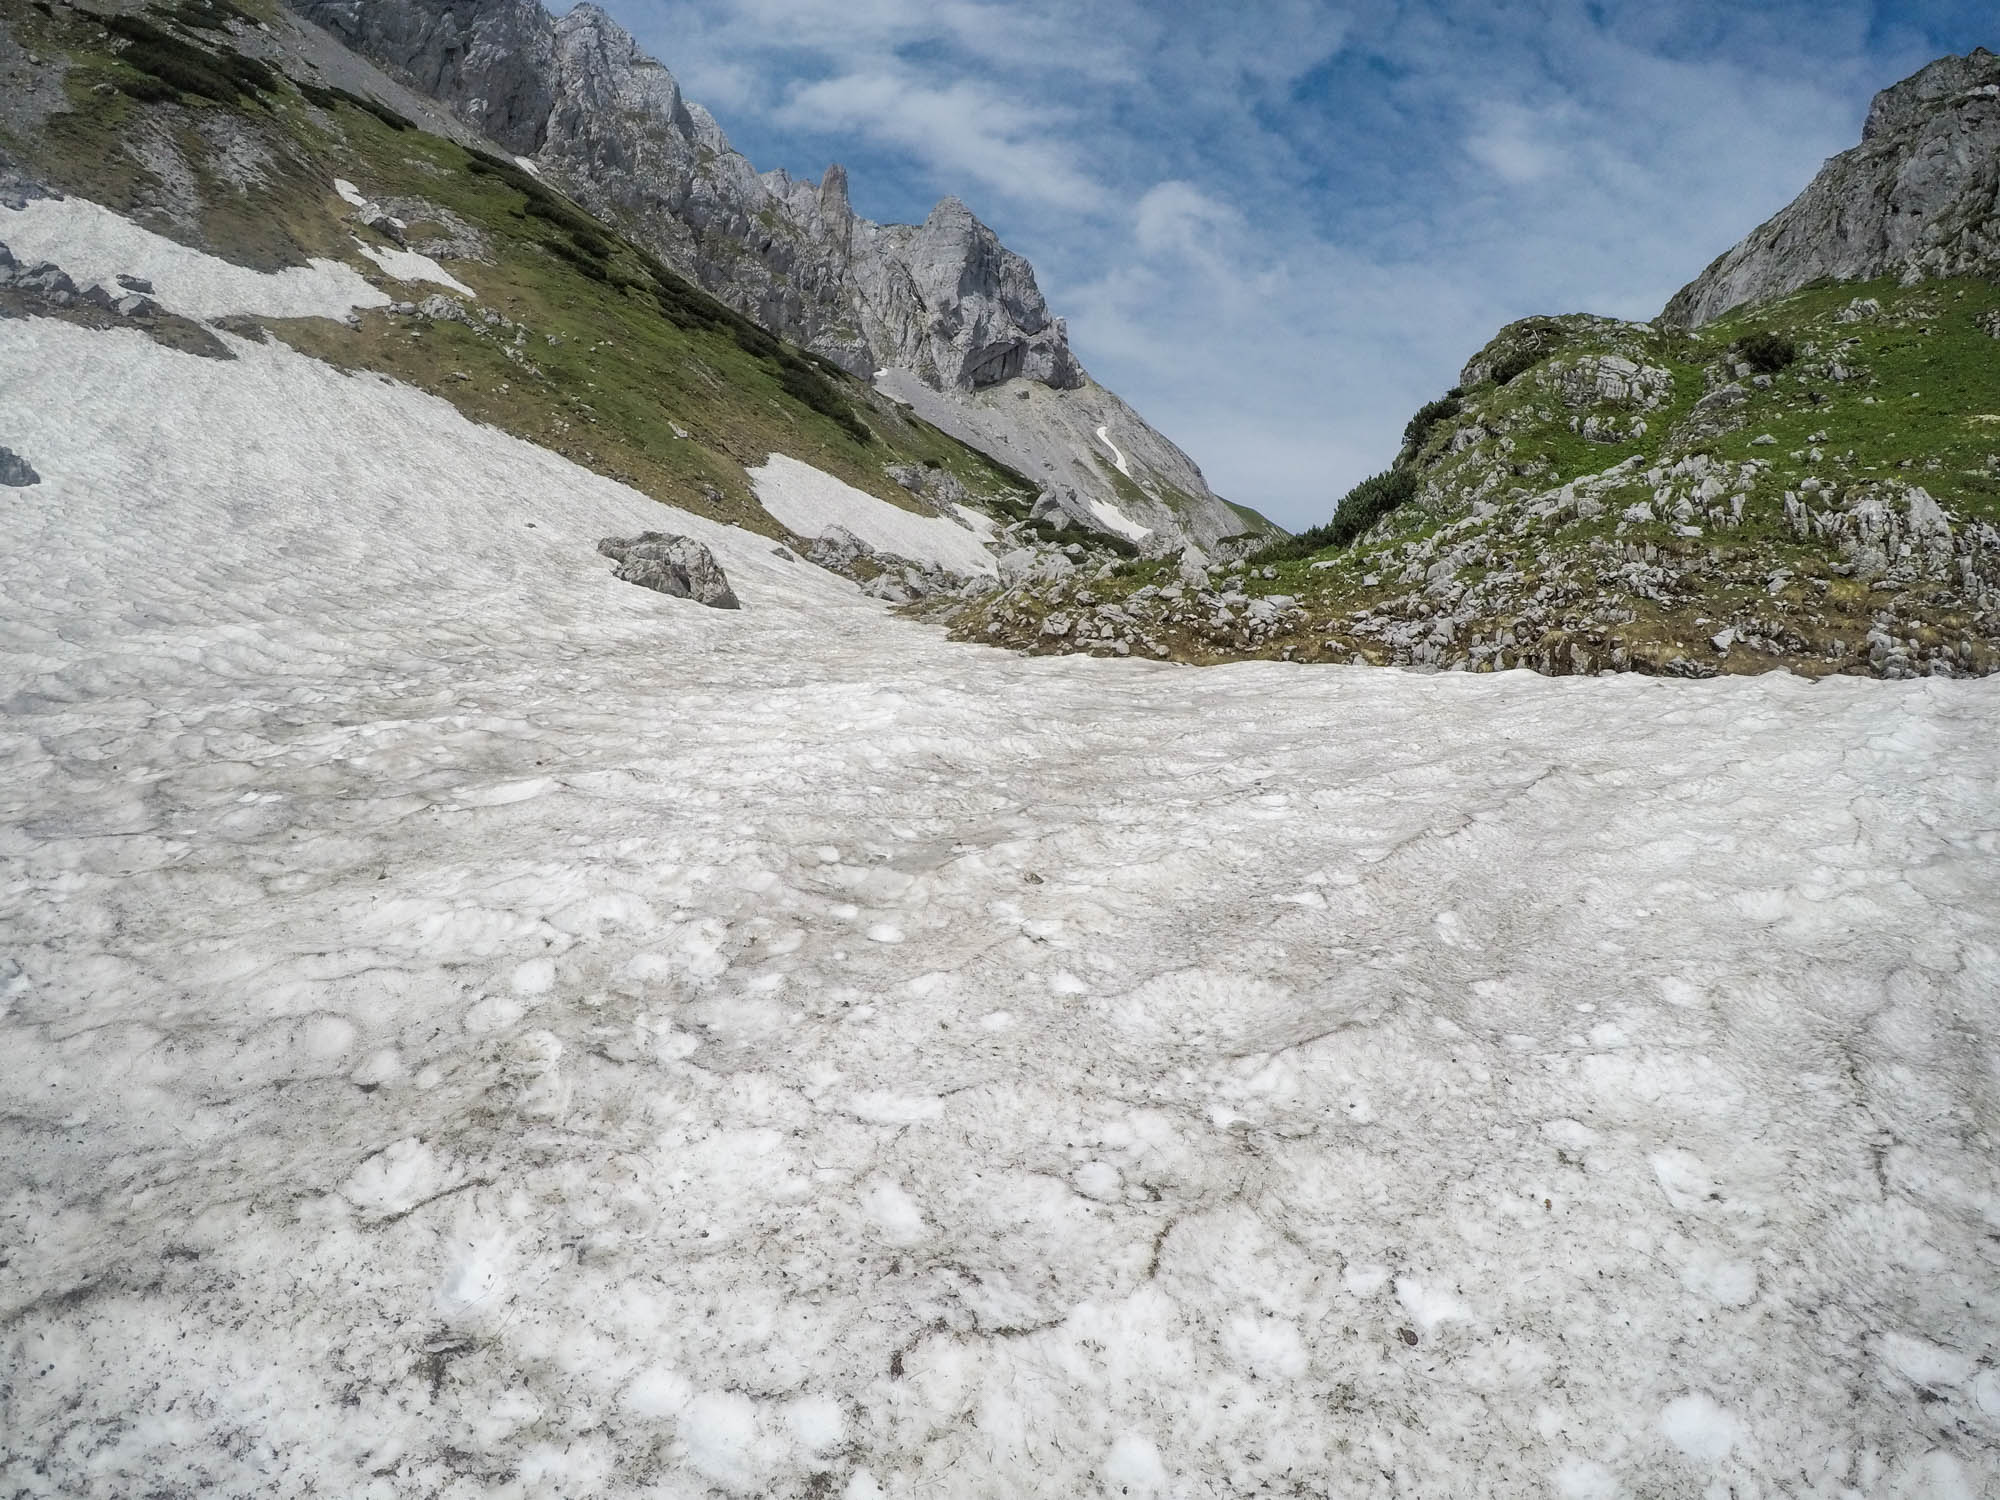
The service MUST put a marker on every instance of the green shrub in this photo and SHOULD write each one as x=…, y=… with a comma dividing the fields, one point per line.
x=1515, y=363
x=1359, y=509
x=146, y=88
x=590, y=265
x=1522, y=346
x=327, y=96
x=753, y=340
x=1428, y=416
x=222, y=74
x=1766, y=352
x=807, y=386
x=806, y=378
x=208, y=15
x=545, y=205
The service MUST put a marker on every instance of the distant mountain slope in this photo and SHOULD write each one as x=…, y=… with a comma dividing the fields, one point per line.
x=247, y=133
x=1792, y=468
x=1920, y=196
x=941, y=307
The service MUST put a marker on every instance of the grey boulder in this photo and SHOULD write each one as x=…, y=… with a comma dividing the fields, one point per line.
x=676, y=565
x=15, y=470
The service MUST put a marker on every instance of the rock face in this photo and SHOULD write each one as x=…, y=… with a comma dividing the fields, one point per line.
x=16, y=470
x=943, y=310
x=489, y=62
x=1920, y=196
x=669, y=564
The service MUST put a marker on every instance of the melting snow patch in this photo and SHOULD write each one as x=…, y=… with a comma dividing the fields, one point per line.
x=93, y=244
x=808, y=500
x=408, y=265
x=1117, y=454
x=894, y=1213
x=1118, y=521
x=978, y=520
x=395, y=1179
x=1135, y=1468
x=349, y=193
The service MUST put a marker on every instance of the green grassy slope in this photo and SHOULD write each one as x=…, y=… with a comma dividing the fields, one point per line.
x=1616, y=495
x=579, y=341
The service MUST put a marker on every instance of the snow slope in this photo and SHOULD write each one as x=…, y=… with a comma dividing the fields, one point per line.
x=474, y=1027
x=809, y=500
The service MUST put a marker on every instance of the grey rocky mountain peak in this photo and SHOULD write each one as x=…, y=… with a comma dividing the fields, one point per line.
x=1920, y=196
x=940, y=314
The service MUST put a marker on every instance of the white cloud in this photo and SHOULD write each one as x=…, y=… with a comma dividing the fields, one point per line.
x=1511, y=143
x=1177, y=218
x=964, y=129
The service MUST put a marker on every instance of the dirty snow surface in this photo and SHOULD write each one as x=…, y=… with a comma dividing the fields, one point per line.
x=473, y=1027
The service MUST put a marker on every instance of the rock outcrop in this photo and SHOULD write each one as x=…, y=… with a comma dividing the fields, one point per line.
x=942, y=310
x=669, y=564
x=490, y=63
x=16, y=471
x=1920, y=196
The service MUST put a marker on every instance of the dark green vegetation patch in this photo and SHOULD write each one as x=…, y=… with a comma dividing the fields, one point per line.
x=219, y=72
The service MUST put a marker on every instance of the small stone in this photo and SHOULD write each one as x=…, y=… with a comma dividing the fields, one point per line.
x=135, y=284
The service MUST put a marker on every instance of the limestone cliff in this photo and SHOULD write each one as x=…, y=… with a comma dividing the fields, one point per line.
x=1920, y=196
x=949, y=319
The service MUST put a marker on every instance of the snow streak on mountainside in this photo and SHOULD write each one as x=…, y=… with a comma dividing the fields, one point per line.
x=476, y=1026
x=943, y=305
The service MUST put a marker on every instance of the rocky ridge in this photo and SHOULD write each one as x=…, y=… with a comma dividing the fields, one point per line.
x=1810, y=481
x=1918, y=197
x=954, y=321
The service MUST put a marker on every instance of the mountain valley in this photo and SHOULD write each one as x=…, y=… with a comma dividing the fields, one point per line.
x=544, y=952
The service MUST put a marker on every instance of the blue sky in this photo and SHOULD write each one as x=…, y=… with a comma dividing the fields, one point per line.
x=1277, y=226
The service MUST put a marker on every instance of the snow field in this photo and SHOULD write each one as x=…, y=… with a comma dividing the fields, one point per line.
x=94, y=244
x=808, y=500
x=478, y=1028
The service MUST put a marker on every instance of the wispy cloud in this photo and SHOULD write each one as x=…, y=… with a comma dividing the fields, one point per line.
x=962, y=130
x=1277, y=226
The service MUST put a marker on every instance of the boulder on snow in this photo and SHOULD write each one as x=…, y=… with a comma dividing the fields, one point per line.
x=676, y=565
x=16, y=471
x=837, y=549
